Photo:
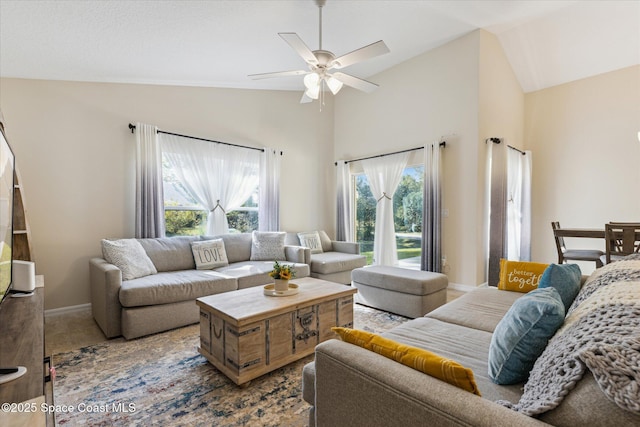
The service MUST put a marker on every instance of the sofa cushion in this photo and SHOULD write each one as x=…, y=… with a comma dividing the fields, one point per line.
x=209, y=254
x=256, y=273
x=420, y=359
x=520, y=276
x=170, y=253
x=522, y=335
x=327, y=246
x=129, y=256
x=565, y=278
x=311, y=240
x=336, y=262
x=291, y=239
x=248, y=273
x=267, y=246
x=467, y=346
x=482, y=308
x=175, y=286
x=236, y=245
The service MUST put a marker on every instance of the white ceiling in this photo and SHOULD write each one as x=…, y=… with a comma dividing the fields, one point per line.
x=218, y=43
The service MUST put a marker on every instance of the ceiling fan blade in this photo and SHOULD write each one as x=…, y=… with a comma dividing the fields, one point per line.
x=278, y=74
x=375, y=49
x=298, y=45
x=356, y=82
x=305, y=99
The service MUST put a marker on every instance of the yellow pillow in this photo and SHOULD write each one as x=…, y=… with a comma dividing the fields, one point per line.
x=422, y=360
x=520, y=276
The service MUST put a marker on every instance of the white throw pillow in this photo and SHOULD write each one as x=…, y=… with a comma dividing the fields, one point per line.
x=129, y=256
x=209, y=254
x=267, y=246
x=312, y=241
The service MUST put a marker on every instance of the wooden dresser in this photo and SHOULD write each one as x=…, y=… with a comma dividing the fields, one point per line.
x=22, y=344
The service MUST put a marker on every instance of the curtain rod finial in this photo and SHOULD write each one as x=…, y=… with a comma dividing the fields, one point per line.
x=132, y=127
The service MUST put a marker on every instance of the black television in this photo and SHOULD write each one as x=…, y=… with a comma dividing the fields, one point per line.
x=7, y=167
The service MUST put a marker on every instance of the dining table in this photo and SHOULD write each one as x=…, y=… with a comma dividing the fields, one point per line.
x=593, y=233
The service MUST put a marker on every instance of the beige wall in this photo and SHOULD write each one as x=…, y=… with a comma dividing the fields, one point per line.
x=501, y=112
x=76, y=157
x=586, y=156
x=466, y=88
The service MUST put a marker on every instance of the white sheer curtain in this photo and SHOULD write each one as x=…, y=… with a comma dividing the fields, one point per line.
x=149, y=197
x=384, y=174
x=220, y=177
x=508, y=206
x=269, y=199
x=344, y=203
x=431, y=257
x=518, y=205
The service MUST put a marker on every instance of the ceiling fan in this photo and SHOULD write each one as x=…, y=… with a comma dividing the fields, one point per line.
x=321, y=62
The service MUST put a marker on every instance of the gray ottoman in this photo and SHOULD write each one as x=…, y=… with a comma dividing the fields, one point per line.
x=411, y=293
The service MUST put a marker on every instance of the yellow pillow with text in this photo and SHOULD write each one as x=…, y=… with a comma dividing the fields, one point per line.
x=520, y=276
x=424, y=361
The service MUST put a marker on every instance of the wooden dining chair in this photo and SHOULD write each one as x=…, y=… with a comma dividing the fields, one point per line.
x=622, y=239
x=565, y=254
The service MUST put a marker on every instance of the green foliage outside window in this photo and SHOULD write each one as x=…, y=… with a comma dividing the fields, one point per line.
x=193, y=222
x=407, y=208
x=184, y=223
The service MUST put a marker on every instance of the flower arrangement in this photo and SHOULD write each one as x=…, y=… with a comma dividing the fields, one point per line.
x=284, y=272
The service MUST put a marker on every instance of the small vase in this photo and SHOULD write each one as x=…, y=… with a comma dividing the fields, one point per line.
x=281, y=285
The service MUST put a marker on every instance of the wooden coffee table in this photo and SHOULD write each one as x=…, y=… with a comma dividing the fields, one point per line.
x=246, y=334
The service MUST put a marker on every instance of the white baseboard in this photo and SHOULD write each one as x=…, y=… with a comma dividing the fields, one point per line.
x=66, y=310
x=461, y=287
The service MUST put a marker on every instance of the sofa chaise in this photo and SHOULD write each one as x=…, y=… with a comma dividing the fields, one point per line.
x=328, y=259
x=164, y=297
x=572, y=382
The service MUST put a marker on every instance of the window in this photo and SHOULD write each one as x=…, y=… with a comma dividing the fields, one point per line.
x=185, y=217
x=407, y=210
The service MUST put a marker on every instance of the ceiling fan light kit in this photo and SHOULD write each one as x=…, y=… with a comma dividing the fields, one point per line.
x=334, y=85
x=320, y=62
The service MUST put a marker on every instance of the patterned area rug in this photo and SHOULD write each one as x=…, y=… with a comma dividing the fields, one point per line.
x=163, y=380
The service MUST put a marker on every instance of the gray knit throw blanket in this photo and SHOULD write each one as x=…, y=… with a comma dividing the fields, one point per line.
x=601, y=333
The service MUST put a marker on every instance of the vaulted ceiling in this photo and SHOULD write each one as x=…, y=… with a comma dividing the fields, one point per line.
x=218, y=43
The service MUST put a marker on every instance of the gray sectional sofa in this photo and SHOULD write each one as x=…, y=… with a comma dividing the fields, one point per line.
x=166, y=299
x=333, y=260
x=348, y=385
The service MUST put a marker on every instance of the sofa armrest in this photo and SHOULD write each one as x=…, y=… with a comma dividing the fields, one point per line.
x=357, y=387
x=298, y=254
x=346, y=247
x=105, y=280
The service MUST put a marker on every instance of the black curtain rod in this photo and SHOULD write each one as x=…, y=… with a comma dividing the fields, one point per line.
x=133, y=128
x=519, y=151
x=442, y=144
x=498, y=141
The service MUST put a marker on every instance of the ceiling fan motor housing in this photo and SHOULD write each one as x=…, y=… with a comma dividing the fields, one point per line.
x=324, y=57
